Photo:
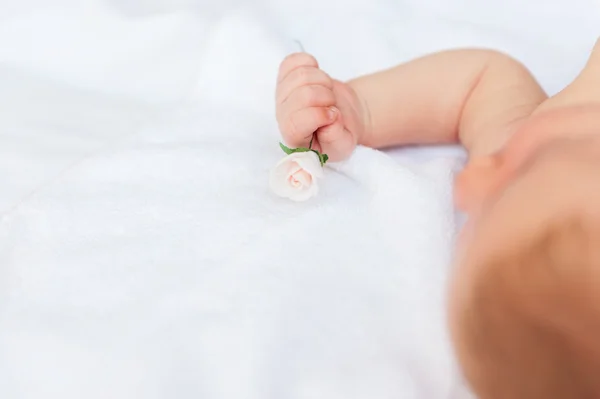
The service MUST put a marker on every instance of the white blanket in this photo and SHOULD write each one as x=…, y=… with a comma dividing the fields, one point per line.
x=141, y=253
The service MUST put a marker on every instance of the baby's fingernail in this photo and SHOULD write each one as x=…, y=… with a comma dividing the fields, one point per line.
x=332, y=113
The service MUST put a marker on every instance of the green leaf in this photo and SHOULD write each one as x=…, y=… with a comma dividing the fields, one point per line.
x=286, y=149
x=322, y=157
x=289, y=151
x=318, y=155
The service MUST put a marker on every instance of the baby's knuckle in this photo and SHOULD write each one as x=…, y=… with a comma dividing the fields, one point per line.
x=308, y=60
x=299, y=59
x=286, y=65
x=322, y=115
x=312, y=95
x=291, y=128
x=329, y=97
x=303, y=75
x=327, y=80
x=288, y=59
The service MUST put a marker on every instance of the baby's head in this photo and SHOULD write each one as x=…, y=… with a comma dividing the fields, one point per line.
x=525, y=299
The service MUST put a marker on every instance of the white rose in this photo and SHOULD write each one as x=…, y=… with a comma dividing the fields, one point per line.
x=295, y=176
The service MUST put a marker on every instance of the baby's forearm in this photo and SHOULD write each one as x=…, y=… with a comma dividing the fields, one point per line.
x=467, y=96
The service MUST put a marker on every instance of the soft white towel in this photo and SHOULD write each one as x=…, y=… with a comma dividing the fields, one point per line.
x=141, y=252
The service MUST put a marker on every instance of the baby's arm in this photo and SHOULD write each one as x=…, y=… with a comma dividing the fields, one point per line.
x=474, y=97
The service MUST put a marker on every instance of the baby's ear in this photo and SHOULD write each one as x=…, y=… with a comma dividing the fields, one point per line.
x=477, y=181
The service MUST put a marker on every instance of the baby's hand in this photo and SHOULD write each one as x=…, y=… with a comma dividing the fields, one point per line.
x=309, y=101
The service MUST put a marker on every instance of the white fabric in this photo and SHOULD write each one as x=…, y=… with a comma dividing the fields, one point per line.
x=141, y=253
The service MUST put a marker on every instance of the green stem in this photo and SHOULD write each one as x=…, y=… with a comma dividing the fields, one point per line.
x=300, y=45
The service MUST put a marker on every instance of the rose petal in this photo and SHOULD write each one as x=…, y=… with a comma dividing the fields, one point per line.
x=309, y=161
x=305, y=167
x=293, y=167
x=303, y=177
x=279, y=178
x=278, y=182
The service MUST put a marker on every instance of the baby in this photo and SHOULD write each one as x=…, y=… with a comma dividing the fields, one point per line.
x=524, y=299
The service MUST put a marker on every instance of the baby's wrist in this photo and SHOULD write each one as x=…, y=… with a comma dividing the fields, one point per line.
x=365, y=133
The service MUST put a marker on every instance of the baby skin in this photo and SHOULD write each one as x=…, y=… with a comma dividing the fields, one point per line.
x=524, y=297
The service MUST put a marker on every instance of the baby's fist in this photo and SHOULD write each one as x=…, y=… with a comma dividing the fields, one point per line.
x=310, y=102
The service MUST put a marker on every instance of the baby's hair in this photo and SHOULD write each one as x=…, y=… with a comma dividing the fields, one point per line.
x=532, y=330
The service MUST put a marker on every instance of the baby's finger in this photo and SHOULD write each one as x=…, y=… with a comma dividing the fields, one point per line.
x=299, y=126
x=294, y=61
x=331, y=133
x=309, y=96
x=335, y=140
x=299, y=77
